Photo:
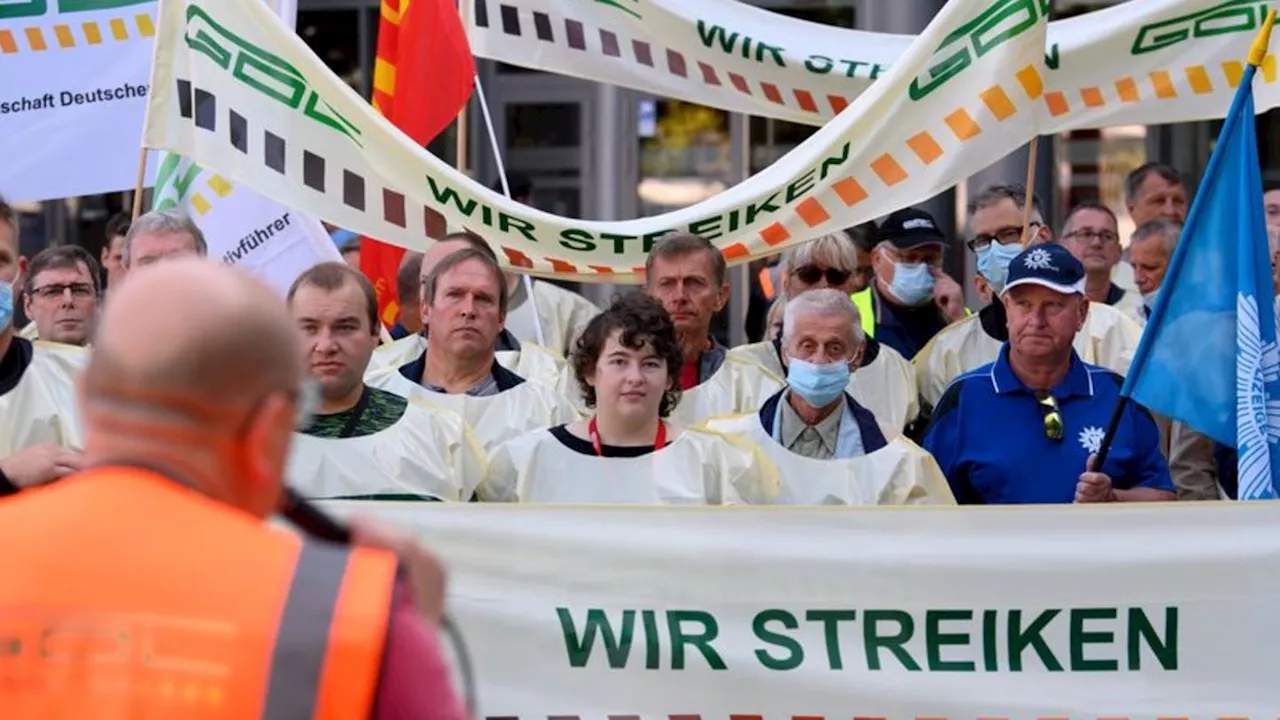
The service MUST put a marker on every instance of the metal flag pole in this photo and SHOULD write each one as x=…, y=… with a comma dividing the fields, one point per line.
x=506, y=190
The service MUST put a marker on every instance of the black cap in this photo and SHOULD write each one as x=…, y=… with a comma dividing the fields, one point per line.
x=910, y=227
x=1047, y=265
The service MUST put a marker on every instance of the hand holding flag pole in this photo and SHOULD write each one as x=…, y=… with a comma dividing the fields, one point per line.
x=1208, y=355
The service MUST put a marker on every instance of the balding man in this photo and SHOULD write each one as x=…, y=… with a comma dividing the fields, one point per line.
x=829, y=448
x=366, y=443
x=189, y=402
x=526, y=359
x=884, y=382
x=161, y=235
x=39, y=428
x=464, y=305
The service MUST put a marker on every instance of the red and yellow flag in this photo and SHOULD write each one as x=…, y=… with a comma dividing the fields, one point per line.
x=422, y=79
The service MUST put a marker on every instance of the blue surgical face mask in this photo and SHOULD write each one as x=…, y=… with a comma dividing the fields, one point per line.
x=993, y=263
x=819, y=385
x=912, y=283
x=6, y=305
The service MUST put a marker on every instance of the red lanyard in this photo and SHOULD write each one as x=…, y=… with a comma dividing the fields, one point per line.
x=659, y=440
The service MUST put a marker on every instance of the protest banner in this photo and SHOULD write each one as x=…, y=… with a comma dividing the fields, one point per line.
x=1126, y=611
x=242, y=227
x=75, y=88
x=1140, y=62
x=241, y=95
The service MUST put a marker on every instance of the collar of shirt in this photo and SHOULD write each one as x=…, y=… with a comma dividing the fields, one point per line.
x=502, y=378
x=906, y=329
x=709, y=361
x=1115, y=294
x=1077, y=383
x=828, y=428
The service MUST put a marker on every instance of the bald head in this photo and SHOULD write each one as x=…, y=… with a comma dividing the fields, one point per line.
x=192, y=337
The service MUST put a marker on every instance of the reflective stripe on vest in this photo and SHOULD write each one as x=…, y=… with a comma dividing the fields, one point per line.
x=293, y=690
x=766, y=282
x=866, y=309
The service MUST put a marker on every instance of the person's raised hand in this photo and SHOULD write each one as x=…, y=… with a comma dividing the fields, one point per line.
x=948, y=295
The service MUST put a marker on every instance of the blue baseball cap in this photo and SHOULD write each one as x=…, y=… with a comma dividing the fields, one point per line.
x=1047, y=265
x=343, y=238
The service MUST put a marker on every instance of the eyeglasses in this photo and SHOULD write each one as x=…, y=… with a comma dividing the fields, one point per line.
x=1005, y=236
x=53, y=291
x=811, y=274
x=1088, y=235
x=1052, y=416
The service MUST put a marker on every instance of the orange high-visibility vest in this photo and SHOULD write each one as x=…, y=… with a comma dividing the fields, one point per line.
x=126, y=595
x=767, y=284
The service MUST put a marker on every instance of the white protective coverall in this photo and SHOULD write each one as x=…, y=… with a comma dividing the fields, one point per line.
x=564, y=316
x=739, y=385
x=886, y=386
x=43, y=407
x=900, y=473
x=695, y=468
x=493, y=418
x=429, y=452
x=1108, y=339
x=531, y=362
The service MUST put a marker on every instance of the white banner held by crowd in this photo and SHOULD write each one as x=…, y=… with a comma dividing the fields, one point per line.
x=298, y=134
x=242, y=227
x=74, y=79
x=1137, y=612
x=1140, y=62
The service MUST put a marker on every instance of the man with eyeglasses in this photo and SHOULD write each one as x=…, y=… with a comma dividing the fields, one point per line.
x=61, y=294
x=39, y=431
x=1025, y=428
x=884, y=381
x=1108, y=339
x=1091, y=233
x=911, y=297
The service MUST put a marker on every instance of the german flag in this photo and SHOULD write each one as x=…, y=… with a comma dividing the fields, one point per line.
x=423, y=77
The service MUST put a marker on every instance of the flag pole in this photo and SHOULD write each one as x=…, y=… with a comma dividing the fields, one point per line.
x=137, y=186
x=1029, y=189
x=1257, y=53
x=506, y=190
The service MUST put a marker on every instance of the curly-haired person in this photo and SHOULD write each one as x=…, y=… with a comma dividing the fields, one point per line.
x=627, y=363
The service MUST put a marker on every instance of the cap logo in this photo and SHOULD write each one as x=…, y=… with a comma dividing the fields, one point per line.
x=1039, y=259
x=917, y=223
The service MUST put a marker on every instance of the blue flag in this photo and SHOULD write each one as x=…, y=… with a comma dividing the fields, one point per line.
x=1208, y=356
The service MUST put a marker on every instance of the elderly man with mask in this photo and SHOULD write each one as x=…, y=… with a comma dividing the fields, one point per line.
x=829, y=448
x=912, y=299
x=883, y=382
x=464, y=305
x=1092, y=234
x=366, y=443
x=1108, y=338
x=687, y=274
x=40, y=432
x=1026, y=428
x=526, y=359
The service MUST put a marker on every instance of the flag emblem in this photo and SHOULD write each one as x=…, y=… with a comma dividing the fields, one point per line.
x=1257, y=415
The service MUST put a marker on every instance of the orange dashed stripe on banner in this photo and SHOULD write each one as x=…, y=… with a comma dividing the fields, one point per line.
x=64, y=36
x=888, y=170
x=925, y=147
x=998, y=102
x=1092, y=97
x=812, y=212
x=1198, y=79
x=1057, y=103
x=1127, y=89
x=1163, y=84
x=963, y=125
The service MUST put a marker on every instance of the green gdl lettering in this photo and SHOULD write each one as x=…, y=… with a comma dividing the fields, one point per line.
x=1002, y=21
x=263, y=71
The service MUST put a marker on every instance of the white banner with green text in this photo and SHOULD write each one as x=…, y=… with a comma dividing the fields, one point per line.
x=240, y=95
x=897, y=614
x=1140, y=62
